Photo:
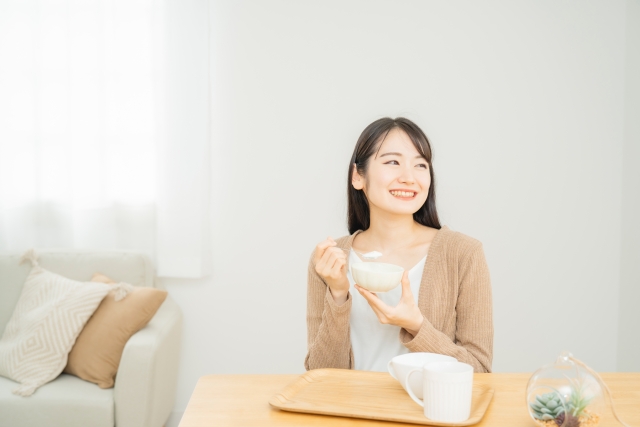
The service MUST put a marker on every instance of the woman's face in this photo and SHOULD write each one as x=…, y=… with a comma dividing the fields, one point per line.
x=397, y=179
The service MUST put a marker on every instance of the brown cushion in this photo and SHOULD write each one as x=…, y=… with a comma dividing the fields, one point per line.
x=96, y=354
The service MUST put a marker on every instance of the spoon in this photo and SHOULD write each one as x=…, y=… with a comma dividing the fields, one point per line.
x=369, y=255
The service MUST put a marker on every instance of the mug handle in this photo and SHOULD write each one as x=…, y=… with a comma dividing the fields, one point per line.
x=391, y=370
x=413, y=396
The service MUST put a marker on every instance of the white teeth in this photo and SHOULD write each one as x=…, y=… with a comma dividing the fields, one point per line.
x=403, y=193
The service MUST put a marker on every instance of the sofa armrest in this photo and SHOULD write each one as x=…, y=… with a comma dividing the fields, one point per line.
x=145, y=387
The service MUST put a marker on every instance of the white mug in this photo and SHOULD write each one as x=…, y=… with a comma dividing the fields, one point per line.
x=447, y=388
x=400, y=366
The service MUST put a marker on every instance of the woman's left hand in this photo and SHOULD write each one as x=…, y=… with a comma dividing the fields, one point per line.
x=406, y=314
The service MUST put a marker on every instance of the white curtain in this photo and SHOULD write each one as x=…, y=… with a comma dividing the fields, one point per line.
x=86, y=138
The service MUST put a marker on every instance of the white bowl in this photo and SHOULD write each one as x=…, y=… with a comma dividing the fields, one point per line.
x=377, y=276
x=400, y=366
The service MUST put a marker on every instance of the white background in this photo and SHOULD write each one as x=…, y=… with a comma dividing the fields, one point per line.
x=531, y=108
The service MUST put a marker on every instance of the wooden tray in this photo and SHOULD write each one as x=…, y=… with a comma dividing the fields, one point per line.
x=363, y=394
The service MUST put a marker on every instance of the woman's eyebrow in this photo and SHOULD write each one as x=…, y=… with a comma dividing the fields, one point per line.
x=419, y=156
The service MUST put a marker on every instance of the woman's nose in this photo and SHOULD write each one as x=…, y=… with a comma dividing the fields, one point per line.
x=406, y=176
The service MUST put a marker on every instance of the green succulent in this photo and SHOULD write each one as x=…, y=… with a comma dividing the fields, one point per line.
x=547, y=406
x=577, y=402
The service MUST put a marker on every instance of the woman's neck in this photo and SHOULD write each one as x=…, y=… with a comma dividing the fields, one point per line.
x=391, y=231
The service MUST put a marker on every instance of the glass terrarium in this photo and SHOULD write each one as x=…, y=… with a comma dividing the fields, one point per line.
x=564, y=394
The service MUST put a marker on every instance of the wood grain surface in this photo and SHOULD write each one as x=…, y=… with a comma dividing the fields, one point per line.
x=363, y=394
x=243, y=400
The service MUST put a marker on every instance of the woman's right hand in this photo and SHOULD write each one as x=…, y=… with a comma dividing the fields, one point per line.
x=331, y=264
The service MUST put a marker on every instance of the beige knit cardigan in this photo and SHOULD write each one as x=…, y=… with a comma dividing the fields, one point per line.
x=454, y=298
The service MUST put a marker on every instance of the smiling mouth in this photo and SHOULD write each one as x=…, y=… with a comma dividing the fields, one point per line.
x=403, y=194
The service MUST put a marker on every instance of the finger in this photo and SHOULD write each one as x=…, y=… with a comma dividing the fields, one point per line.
x=321, y=264
x=335, y=268
x=321, y=247
x=373, y=299
x=382, y=318
x=329, y=259
x=338, y=266
x=334, y=252
x=406, y=286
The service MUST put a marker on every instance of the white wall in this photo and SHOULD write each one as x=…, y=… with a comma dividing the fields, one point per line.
x=629, y=332
x=524, y=106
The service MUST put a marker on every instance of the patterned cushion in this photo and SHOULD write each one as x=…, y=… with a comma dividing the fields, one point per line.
x=51, y=312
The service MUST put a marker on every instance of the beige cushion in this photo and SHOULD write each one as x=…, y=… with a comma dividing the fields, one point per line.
x=50, y=314
x=96, y=354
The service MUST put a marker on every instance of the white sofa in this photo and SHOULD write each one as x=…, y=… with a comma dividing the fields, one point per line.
x=145, y=386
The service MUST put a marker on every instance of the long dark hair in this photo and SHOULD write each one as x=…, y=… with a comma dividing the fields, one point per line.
x=368, y=144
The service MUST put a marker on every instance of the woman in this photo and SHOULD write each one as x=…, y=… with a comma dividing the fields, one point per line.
x=444, y=302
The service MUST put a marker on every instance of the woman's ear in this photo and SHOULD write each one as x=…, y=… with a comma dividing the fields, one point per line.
x=356, y=179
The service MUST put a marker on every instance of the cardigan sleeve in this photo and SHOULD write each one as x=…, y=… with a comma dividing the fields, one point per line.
x=473, y=343
x=328, y=340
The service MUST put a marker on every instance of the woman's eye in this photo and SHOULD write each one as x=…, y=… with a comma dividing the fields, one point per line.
x=392, y=162
x=423, y=166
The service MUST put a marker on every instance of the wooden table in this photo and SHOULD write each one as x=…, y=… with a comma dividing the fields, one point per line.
x=242, y=400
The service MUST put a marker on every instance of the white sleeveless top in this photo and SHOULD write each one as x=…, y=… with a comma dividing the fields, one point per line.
x=373, y=343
